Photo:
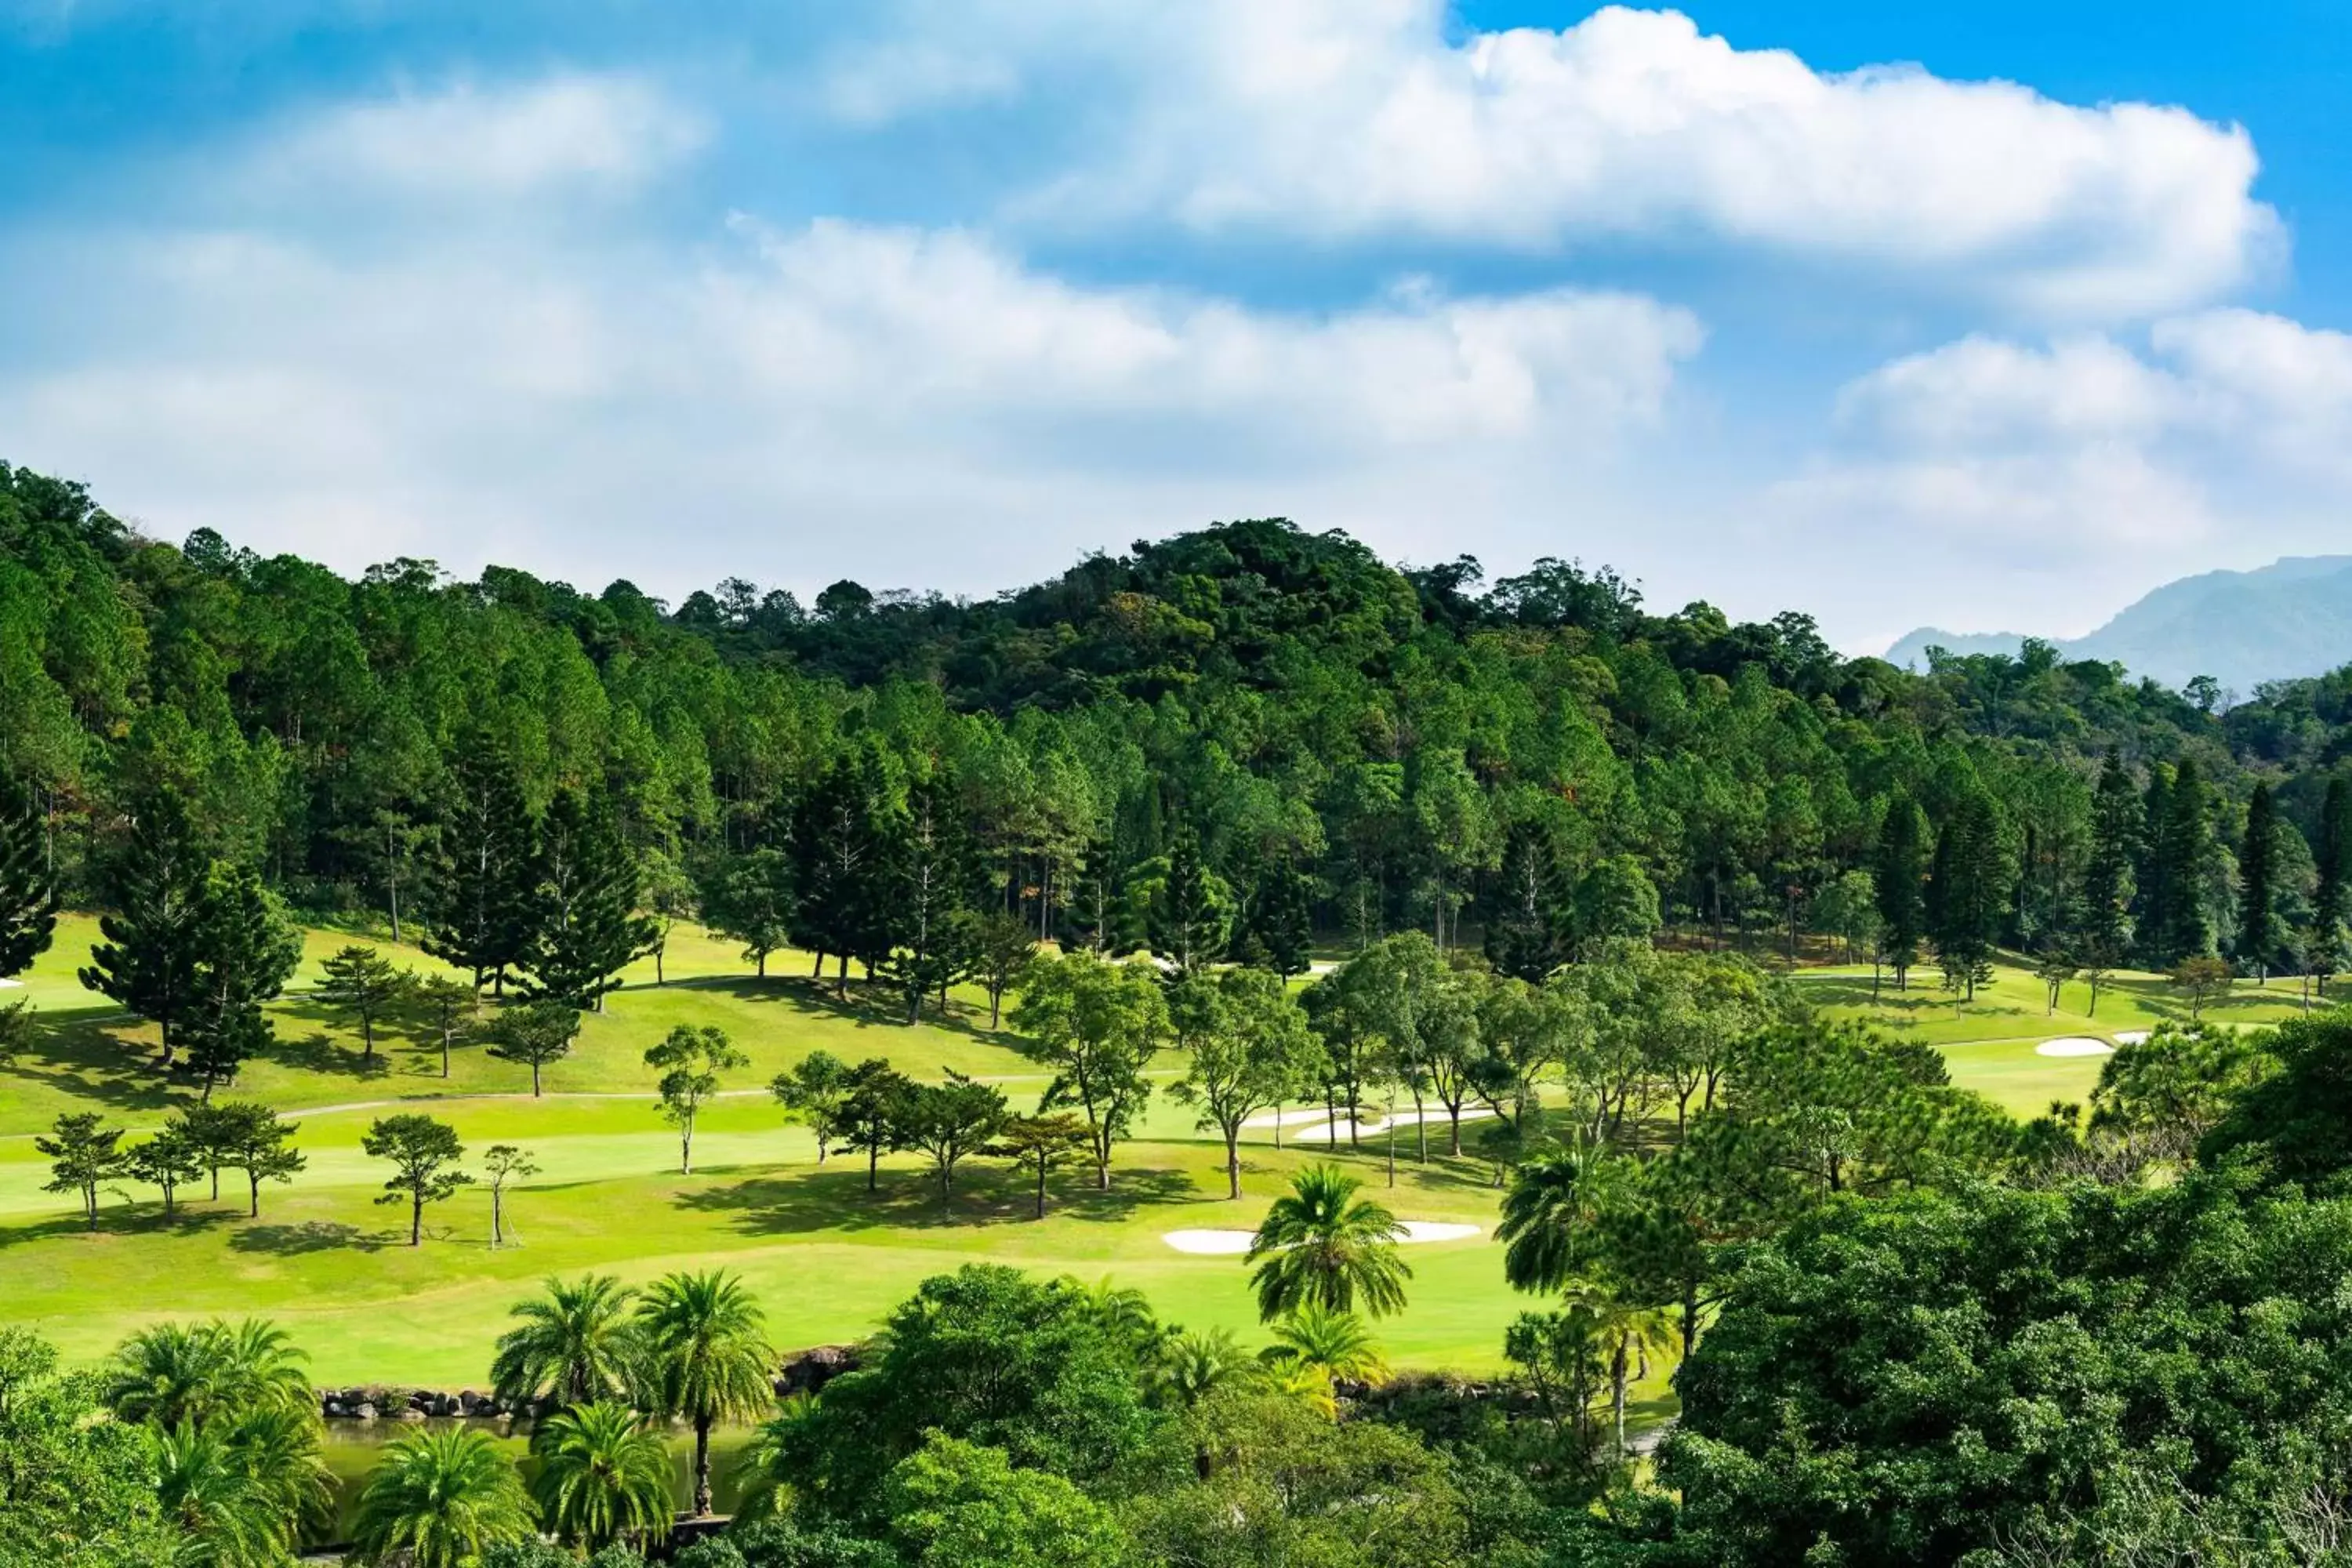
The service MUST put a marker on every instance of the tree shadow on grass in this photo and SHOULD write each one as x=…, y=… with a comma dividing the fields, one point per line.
x=93, y=1060
x=834, y=1199
x=319, y=1052
x=308, y=1236
x=866, y=1007
x=142, y=1218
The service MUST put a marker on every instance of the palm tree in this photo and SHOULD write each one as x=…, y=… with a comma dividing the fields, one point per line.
x=1629, y=1331
x=1320, y=1243
x=441, y=1498
x=763, y=1474
x=1316, y=1349
x=208, y=1492
x=602, y=1475
x=573, y=1345
x=1191, y=1367
x=1549, y=1216
x=703, y=1358
x=182, y=1373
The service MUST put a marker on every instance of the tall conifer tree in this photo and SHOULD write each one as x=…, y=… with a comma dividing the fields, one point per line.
x=2156, y=915
x=1969, y=891
x=1529, y=932
x=246, y=949
x=488, y=870
x=1900, y=876
x=147, y=961
x=586, y=927
x=28, y=894
x=2258, y=942
x=2183, y=846
x=2116, y=829
x=2332, y=902
x=840, y=845
x=1188, y=928
x=929, y=873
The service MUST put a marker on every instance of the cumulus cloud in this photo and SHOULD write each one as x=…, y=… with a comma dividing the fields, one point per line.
x=2226, y=424
x=488, y=386
x=1344, y=120
x=568, y=132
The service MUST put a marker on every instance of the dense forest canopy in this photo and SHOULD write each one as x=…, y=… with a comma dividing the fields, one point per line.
x=1422, y=747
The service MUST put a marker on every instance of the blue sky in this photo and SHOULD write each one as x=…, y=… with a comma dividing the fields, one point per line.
x=1983, y=316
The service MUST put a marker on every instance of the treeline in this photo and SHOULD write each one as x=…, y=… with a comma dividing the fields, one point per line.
x=1214, y=743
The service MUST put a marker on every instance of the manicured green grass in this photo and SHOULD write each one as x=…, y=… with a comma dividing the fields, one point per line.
x=827, y=1258
x=1988, y=1043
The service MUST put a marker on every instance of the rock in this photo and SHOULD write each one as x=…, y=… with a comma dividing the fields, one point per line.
x=811, y=1370
x=412, y=1414
x=363, y=1411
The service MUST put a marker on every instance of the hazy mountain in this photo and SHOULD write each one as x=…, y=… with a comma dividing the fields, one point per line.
x=2293, y=617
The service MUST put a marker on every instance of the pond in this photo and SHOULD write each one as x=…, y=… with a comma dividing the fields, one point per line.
x=352, y=1448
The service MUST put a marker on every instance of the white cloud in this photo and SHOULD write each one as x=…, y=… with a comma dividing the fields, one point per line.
x=565, y=132
x=2229, y=428
x=1344, y=120
x=797, y=402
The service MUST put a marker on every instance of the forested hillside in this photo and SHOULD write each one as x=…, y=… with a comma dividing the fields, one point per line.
x=1276, y=715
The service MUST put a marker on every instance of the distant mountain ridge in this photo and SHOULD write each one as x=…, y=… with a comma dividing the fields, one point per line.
x=2289, y=619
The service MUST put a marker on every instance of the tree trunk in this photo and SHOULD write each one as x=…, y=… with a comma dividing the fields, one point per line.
x=1420, y=1128
x=417, y=1220
x=701, y=1467
x=686, y=1150
x=497, y=1219
x=1041, y=1187
x=534, y=1080
x=1454, y=1133
x=1617, y=1393
x=873, y=1163
x=1277, y=1124
x=1233, y=1161
x=254, y=1211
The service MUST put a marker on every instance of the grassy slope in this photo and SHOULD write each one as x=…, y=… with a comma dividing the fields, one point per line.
x=827, y=1258
x=1989, y=1044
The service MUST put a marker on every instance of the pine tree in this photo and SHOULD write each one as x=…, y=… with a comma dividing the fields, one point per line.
x=2258, y=934
x=2332, y=902
x=1282, y=918
x=28, y=894
x=1528, y=932
x=488, y=853
x=2184, y=843
x=2107, y=883
x=246, y=950
x=147, y=961
x=585, y=926
x=2154, y=926
x=1100, y=915
x=1187, y=920
x=931, y=872
x=839, y=846
x=1969, y=891
x=1900, y=877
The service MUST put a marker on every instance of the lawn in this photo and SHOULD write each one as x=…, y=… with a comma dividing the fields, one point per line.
x=1989, y=1043
x=827, y=1258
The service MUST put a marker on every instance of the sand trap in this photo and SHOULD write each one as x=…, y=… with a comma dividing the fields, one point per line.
x=10, y=984
x=1211, y=1243
x=1320, y=1132
x=1234, y=1243
x=2075, y=1046
x=2130, y=1036
x=1289, y=1118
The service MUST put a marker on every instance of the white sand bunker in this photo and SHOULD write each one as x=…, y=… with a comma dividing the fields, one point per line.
x=1319, y=1131
x=1234, y=1243
x=2075, y=1046
x=10, y=984
x=2130, y=1036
